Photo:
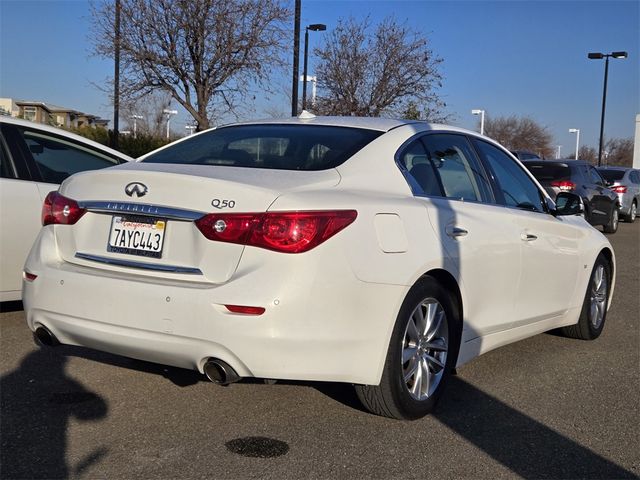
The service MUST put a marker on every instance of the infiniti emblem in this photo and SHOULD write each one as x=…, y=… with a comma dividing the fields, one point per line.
x=136, y=189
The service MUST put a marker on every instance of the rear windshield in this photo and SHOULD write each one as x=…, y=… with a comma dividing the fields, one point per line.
x=273, y=146
x=548, y=172
x=611, y=175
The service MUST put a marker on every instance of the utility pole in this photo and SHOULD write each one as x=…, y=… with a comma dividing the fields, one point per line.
x=296, y=59
x=116, y=77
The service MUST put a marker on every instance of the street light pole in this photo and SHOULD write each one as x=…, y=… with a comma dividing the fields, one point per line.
x=599, y=56
x=481, y=113
x=316, y=27
x=576, y=131
x=168, y=113
x=135, y=124
x=296, y=59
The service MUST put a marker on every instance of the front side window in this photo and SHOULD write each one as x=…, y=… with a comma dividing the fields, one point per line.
x=271, y=146
x=57, y=159
x=457, y=167
x=515, y=186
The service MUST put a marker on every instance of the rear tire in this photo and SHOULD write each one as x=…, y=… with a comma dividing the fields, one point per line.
x=594, y=307
x=614, y=219
x=633, y=212
x=422, y=353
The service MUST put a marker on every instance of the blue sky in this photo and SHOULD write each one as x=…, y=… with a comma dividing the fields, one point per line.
x=506, y=57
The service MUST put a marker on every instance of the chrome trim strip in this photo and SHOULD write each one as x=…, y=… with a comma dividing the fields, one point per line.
x=142, y=265
x=142, y=209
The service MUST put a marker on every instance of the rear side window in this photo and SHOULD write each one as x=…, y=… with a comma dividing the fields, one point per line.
x=271, y=146
x=457, y=167
x=595, y=177
x=57, y=159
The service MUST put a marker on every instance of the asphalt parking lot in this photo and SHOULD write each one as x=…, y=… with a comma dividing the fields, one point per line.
x=546, y=407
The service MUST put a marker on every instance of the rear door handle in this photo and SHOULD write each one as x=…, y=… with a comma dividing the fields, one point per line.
x=528, y=237
x=456, y=231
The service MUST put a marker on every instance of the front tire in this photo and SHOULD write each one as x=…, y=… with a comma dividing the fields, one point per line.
x=596, y=300
x=422, y=353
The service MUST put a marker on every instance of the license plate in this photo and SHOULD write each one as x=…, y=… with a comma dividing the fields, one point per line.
x=136, y=235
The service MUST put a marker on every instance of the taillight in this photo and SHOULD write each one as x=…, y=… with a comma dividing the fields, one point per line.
x=58, y=209
x=287, y=232
x=619, y=189
x=564, y=185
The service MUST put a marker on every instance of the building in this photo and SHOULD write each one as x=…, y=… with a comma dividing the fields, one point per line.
x=42, y=112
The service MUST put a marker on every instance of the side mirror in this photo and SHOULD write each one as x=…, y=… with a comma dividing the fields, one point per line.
x=568, y=204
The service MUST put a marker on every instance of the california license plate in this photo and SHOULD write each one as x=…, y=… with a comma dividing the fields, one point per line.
x=137, y=235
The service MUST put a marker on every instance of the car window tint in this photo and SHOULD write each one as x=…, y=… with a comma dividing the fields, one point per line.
x=548, y=172
x=612, y=175
x=273, y=146
x=421, y=173
x=57, y=159
x=6, y=170
x=595, y=177
x=457, y=167
x=635, y=177
x=516, y=186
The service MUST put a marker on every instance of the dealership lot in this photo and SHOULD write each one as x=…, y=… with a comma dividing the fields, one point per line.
x=546, y=407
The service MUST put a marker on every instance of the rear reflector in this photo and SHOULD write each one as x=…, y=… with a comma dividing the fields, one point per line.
x=58, y=209
x=286, y=232
x=564, y=185
x=245, y=310
x=29, y=277
x=619, y=189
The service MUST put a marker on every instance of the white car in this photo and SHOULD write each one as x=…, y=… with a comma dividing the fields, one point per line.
x=378, y=252
x=34, y=159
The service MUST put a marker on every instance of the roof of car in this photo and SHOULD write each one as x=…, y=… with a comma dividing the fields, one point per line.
x=560, y=161
x=65, y=133
x=615, y=167
x=371, y=123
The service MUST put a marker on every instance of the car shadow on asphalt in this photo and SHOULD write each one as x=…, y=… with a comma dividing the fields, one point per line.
x=37, y=402
x=525, y=446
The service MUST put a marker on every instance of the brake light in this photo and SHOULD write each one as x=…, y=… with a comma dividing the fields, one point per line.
x=29, y=277
x=564, y=185
x=58, y=209
x=286, y=232
x=619, y=189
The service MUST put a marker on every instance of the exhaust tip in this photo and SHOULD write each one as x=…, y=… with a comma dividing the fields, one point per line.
x=220, y=372
x=44, y=337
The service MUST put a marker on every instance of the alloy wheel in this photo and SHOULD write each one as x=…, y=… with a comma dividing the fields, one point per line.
x=599, y=288
x=424, y=349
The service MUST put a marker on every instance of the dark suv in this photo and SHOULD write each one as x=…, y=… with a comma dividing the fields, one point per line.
x=601, y=205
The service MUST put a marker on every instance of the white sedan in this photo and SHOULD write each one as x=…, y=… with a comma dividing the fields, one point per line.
x=378, y=252
x=34, y=160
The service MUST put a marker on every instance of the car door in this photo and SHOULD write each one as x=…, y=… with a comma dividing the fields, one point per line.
x=480, y=241
x=20, y=207
x=44, y=160
x=549, y=245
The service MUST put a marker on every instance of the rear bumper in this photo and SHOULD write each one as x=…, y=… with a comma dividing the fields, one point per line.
x=320, y=323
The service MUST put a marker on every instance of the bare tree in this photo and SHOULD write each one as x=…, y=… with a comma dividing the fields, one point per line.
x=619, y=151
x=374, y=71
x=150, y=108
x=520, y=133
x=206, y=54
x=588, y=154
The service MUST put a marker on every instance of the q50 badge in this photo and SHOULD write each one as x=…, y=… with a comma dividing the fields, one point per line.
x=220, y=204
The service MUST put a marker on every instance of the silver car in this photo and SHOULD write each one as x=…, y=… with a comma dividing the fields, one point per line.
x=625, y=182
